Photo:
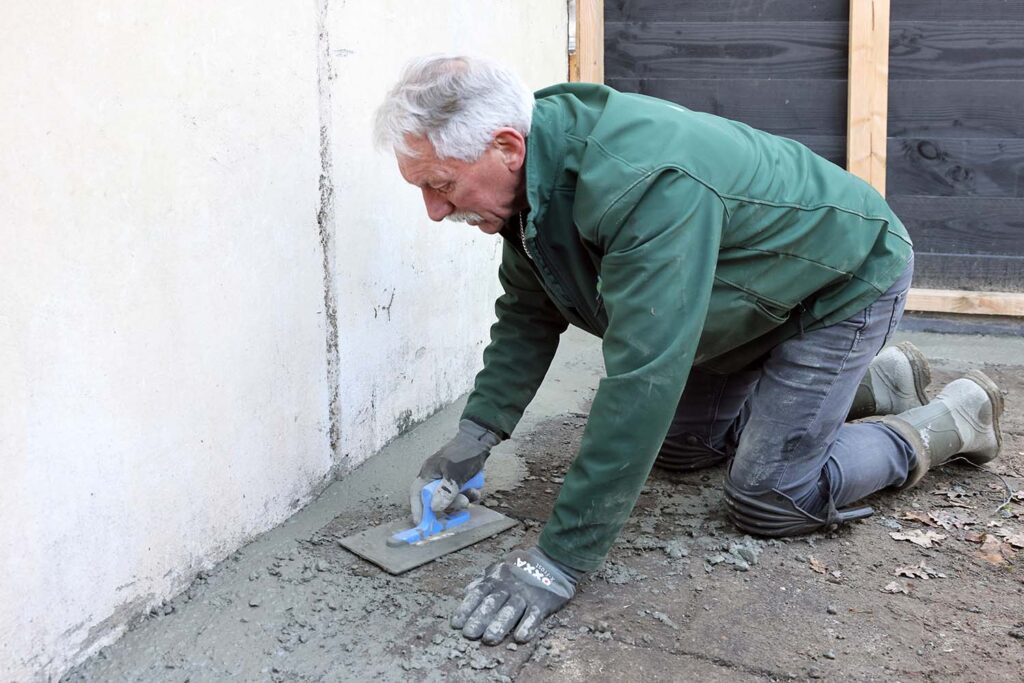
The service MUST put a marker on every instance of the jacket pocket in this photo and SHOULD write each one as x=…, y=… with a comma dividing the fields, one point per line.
x=772, y=311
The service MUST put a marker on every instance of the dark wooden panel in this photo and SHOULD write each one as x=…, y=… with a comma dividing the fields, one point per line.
x=956, y=271
x=832, y=147
x=957, y=109
x=944, y=10
x=783, y=107
x=955, y=168
x=726, y=10
x=961, y=49
x=963, y=225
x=726, y=50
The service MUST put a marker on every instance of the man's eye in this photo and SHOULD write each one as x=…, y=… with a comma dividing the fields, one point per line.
x=444, y=189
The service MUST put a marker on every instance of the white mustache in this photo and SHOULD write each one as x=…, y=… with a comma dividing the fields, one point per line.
x=464, y=217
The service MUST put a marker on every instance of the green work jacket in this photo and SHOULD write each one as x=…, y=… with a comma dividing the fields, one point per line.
x=681, y=239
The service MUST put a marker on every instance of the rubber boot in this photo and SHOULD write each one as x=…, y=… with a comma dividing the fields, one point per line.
x=894, y=383
x=962, y=420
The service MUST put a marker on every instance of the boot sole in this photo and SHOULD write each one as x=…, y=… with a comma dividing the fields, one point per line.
x=920, y=367
x=995, y=396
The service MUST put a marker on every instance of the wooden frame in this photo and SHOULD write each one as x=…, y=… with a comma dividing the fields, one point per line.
x=867, y=113
x=868, y=91
x=586, y=62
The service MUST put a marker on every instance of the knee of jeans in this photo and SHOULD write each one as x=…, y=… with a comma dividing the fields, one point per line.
x=686, y=452
x=768, y=512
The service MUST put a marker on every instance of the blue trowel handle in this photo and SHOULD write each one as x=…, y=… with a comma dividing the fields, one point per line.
x=427, y=494
x=430, y=524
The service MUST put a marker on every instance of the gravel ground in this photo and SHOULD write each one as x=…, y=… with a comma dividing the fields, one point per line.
x=681, y=595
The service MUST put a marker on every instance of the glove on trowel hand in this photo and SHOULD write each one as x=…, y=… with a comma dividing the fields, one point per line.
x=524, y=588
x=456, y=463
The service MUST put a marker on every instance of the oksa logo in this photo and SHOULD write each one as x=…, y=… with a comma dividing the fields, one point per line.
x=533, y=571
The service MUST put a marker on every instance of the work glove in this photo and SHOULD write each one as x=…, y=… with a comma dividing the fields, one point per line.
x=455, y=464
x=524, y=588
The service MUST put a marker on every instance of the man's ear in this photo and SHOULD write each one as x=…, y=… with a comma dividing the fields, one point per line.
x=511, y=144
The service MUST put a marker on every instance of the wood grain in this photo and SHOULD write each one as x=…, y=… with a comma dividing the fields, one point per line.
x=725, y=10
x=971, y=302
x=963, y=225
x=868, y=91
x=590, y=40
x=958, y=50
x=781, y=106
x=956, y=168
x=957, y=109
x=727, y=50
x=958, y=10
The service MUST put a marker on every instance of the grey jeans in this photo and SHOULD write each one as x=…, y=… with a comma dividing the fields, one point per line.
x=783, y=423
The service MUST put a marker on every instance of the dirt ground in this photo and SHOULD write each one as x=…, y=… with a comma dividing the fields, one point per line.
x=682, y=595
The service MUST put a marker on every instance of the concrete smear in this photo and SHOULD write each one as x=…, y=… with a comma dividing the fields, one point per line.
x=682, y=595
x=293, y=605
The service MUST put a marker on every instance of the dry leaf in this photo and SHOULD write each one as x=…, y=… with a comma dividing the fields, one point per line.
x=817, y=566
x=1015, y=539
x=974, y=537
x=921, y=571
x=1017, y=495
x=917, y=517
x=993, y=550
x=918, y=537
x=951, y=520
x=895, y=587
x=994, y=522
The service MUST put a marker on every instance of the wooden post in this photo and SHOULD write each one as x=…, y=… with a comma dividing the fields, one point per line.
x=868, y=91
x=586, y=62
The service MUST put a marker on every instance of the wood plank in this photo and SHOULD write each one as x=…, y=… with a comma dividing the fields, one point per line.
x=963, y=225
x=958, y=10
x=957, y=109
x=958, y=50
x=780, y=106
x=725, y=10
x=868, y=88
x=727, y=50
x=956, y=168
x=590, y=40
x=970, y=272
x=970, y=302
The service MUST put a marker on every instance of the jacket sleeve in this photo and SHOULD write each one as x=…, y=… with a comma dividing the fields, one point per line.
x=523, y=341
x=660, y=243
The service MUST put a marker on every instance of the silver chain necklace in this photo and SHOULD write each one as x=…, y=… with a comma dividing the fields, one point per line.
x=522, y=236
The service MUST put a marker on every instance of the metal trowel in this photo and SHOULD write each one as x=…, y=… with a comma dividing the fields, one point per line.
x=396, y=548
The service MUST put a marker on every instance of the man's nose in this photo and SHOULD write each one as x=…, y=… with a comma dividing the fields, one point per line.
x=437, y=207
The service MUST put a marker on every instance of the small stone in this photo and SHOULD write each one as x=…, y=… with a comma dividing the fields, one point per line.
x=323, y=566
x=1017, y=633
x=815, y=672
x=512, y=646
x=254, y=602
x=831, y=609
x=603, y=627
x=829, y=655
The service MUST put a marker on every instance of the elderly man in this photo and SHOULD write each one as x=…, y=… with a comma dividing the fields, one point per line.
x=741, y=285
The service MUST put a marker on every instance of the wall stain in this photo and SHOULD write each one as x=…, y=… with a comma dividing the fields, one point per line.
x=326, y=229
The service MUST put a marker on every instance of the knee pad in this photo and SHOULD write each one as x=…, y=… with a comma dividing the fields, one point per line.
x=687, y=452
x=771, y=513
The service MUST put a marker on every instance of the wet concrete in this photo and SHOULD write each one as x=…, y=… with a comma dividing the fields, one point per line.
x=682, y=594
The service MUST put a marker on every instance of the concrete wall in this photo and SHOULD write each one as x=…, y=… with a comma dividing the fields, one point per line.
x=212, y=293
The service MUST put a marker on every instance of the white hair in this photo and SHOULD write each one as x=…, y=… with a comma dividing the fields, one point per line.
x=455, y=102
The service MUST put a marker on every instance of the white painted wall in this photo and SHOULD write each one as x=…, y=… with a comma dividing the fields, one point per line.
x=162, y=353
x=418, y=294
x=166, y=375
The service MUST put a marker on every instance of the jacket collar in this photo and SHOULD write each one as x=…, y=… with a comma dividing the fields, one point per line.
x=545, y=160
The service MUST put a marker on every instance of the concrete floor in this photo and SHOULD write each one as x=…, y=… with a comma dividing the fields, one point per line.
x=671, y=603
